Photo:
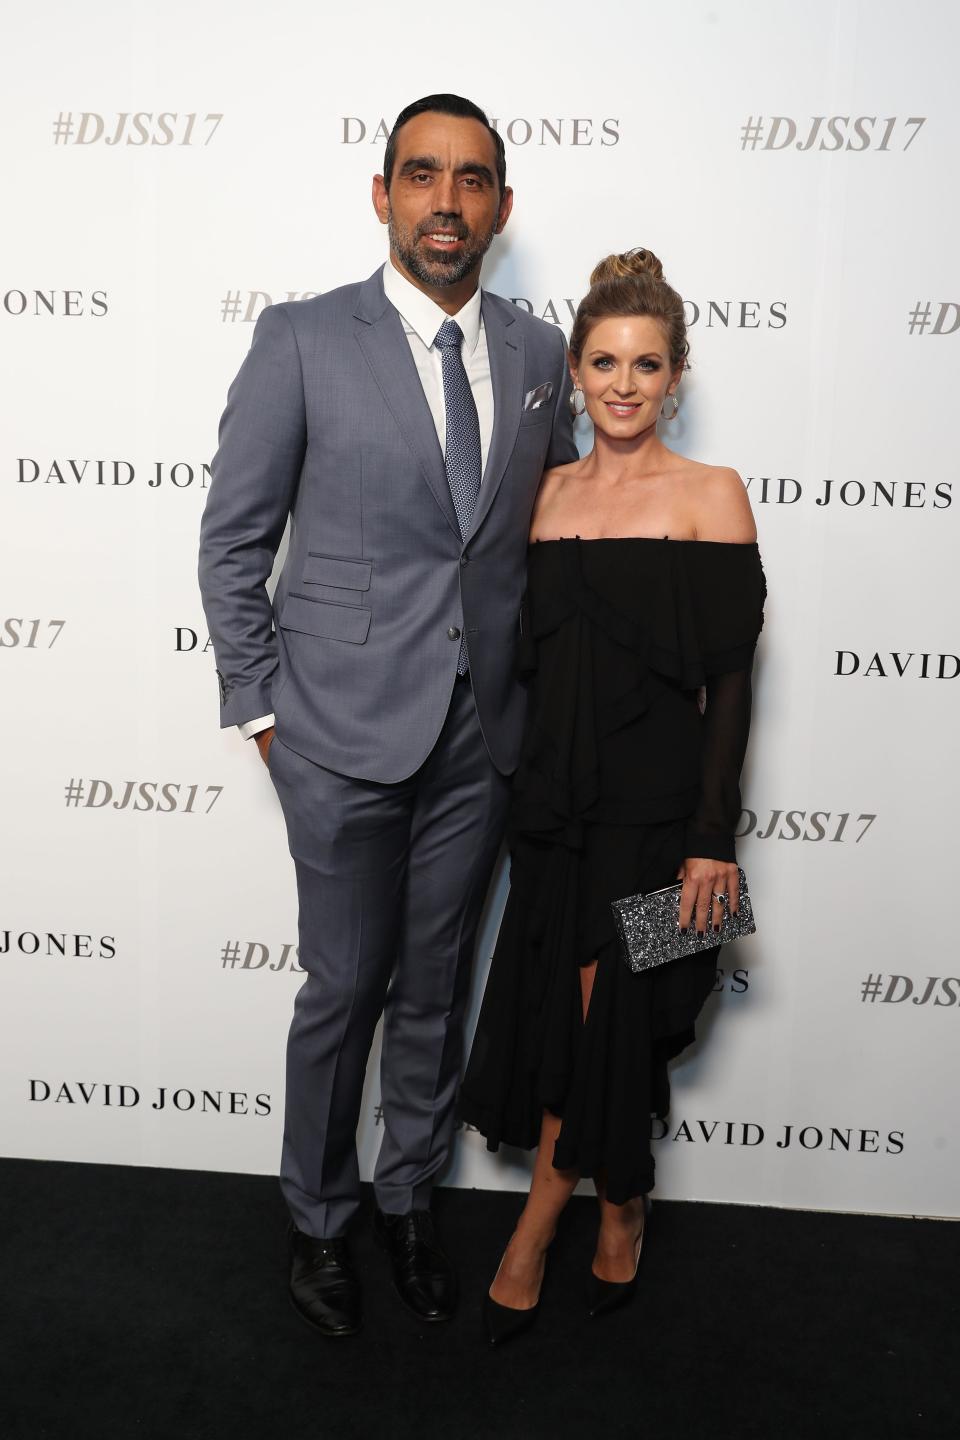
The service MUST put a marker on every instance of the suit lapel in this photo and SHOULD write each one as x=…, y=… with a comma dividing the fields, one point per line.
x=505, y=349
x=387, y=351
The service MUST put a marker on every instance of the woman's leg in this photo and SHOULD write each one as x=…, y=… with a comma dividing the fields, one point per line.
x=618, y=1242
x=518, y=1280
x=621, y=1226
x=621, y=1229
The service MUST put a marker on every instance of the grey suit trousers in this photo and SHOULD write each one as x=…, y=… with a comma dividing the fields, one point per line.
x=391, y=881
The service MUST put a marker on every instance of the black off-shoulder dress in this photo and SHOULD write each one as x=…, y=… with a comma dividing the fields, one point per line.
x=624, y=772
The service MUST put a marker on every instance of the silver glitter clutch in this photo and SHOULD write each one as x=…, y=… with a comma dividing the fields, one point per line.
x=650, y=931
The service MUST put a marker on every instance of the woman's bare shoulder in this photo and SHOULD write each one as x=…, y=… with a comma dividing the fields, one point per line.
x=553, y=481
x=558, y=473
x=551, y=487
x=722, y=505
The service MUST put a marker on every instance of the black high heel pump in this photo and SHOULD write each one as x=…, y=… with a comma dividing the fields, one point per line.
x=606, y=1295
x=501, y=1323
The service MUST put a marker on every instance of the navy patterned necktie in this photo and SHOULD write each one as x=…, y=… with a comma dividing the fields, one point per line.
x=462, y=457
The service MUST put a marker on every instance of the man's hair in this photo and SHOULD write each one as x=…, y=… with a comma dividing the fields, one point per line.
x=444, y=105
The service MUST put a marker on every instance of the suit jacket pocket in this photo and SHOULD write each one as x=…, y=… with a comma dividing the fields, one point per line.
x=333, y=570
x=324, y=619
x=540, y=416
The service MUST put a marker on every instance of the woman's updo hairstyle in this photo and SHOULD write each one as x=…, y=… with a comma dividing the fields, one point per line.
x=632, y=284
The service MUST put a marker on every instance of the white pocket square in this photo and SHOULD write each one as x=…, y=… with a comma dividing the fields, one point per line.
x=539, y=396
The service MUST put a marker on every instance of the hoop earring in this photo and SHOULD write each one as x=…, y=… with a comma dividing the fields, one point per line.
x=676, y=408
x=574, y=411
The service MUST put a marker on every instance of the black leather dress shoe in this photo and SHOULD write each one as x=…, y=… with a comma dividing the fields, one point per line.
x=324, y=1288
x=422, y=1274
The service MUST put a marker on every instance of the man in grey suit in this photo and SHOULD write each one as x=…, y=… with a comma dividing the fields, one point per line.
x=402, y=424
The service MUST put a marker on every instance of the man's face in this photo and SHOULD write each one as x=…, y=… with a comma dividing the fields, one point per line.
x=444, y=205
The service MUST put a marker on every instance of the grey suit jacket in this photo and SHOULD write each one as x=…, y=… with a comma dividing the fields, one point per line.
x=327, y=422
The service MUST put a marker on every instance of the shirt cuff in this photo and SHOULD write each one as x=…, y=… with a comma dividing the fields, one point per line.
x=249, y=728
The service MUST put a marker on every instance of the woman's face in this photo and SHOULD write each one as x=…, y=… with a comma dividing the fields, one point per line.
x=625, y=374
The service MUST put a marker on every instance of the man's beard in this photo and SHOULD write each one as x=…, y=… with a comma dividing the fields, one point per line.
x=438, y=269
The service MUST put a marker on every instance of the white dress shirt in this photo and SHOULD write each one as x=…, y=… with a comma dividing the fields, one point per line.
x=421, y=318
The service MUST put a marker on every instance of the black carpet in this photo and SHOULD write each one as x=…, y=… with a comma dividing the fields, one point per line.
x=152, y=1303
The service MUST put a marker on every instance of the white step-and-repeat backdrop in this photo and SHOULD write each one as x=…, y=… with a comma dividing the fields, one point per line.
x=168, y=171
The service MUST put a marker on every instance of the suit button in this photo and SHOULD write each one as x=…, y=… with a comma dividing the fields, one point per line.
x=453, y=633
x=464, y=559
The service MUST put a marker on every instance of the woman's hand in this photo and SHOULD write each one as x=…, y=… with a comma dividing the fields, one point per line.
x=703, y=881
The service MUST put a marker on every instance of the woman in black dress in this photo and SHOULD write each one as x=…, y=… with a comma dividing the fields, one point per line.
x=643, y=606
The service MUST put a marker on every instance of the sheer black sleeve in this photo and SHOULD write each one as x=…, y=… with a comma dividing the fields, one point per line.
x=726, y=726
x=729, y=591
